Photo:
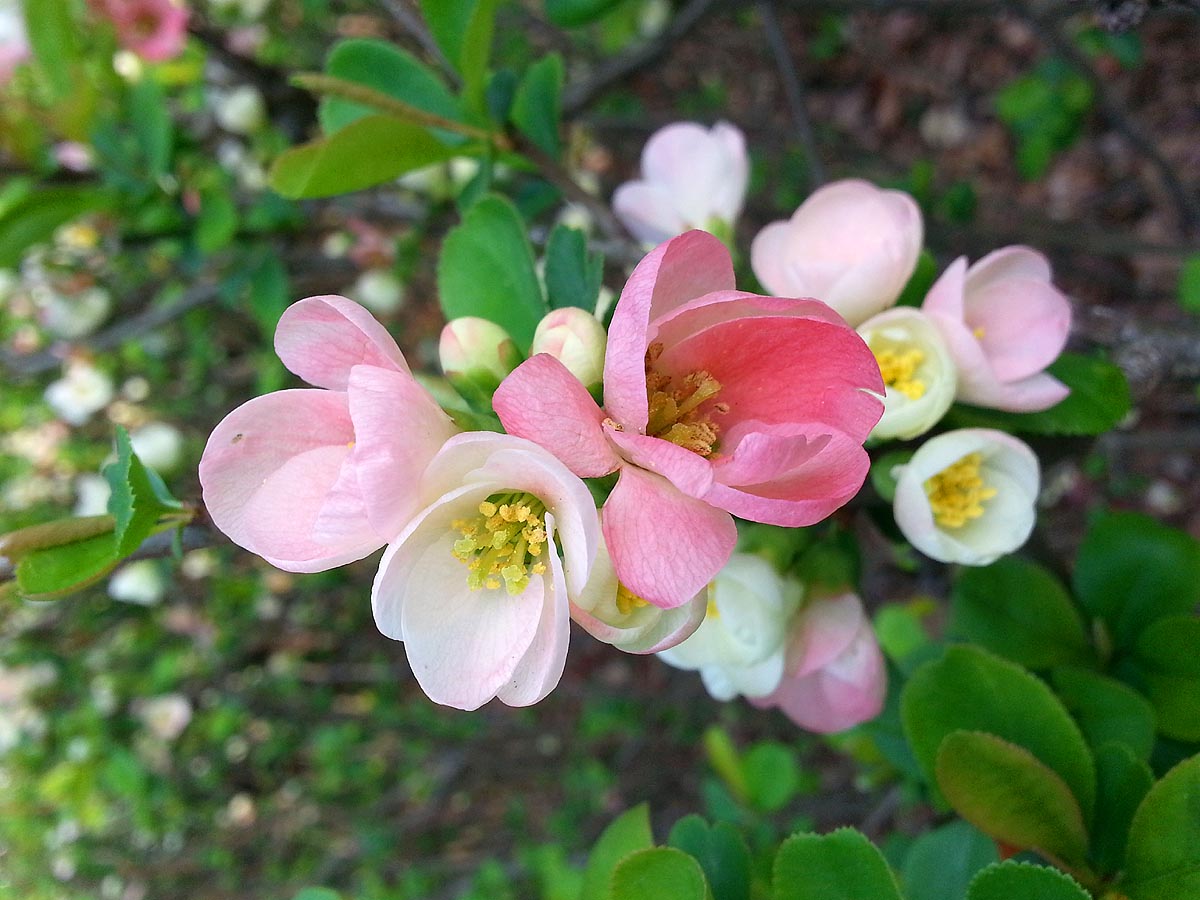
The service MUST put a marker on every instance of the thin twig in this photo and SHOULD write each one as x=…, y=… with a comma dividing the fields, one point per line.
x=794, y=91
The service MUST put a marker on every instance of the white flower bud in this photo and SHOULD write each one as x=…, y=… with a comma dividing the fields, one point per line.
x=917, y=368
x=241, y=110
x=137, y=582
x=576, y=339
x=476, y=355
x=158, y=445
x=165, y=717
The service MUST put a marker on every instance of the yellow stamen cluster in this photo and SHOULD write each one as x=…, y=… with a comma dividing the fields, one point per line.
x=899, y=369
x=680, y=414
x=503, y=543
x=956, y=494
x=628, y=601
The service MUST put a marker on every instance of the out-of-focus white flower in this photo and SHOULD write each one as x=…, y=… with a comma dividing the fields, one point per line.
x=968, y=496
x=917, y=369
x=240, y=110
x=166, y=716
x=83, y=391
x=741, y=645
x=653, y=17
x=91, y=494
x=14, y=42
x=138, y=582
x=379, y=290
x=158, y=445
x=19, y=718
x=72, y=316
x=577, y=216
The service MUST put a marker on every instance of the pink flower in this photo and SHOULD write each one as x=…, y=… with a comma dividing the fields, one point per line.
x=692, y=177
x=156, y=30
x=716, y=402
x=312, y=479
x=835, y=677
x=850, y=244
x=14, y=42
x=475, y=585
x=1005, y=322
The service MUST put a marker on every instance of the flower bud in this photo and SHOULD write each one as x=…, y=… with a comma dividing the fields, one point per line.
x=918, y=371
x=576, y=339
x=476, y=355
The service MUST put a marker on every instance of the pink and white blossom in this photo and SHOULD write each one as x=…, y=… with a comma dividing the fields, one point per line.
x=692, y=177
x=1005, y=322
x=576, y=339
x=310, y=479
x=716, y=402
x=850, y=244
x=156, y=30
x=479, y=585
x=14, y=41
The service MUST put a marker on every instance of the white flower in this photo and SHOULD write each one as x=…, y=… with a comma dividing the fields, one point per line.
x=379, y=290
x=741, y=645
x=165, y=717
x=968, y=496
x=91, y=495
x=83, y=391
x=158, y=445
x=917, y=368
x=241, y=110
x=73, y=316
x=137, y=582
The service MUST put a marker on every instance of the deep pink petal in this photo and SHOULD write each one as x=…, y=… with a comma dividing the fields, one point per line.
x=322, y=338
x=543, y=402
x=759, y=453
x=1021, y=324
x=664, y=545
x=688, y=471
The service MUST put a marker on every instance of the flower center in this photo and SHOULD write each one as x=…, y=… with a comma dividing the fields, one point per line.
x=681, y=412
x=505, y=542
x=628, y=601
x=899, y=368
x=956, y=494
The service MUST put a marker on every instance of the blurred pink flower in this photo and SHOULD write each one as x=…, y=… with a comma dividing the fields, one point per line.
x=716, y=402
x=850, y=244
x=475, y=586
x=692, y=177
x=1005, y=322
x=834, y=677
x=14, y=42
x=156, y=30
x=312, y=479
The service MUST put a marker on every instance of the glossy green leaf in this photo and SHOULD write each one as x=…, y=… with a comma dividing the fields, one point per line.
x=843, y=865
x=365, y=153
x=1168, y=657
x=1106, y=710
x=463, y=30
x=941, y=863
x=152, y=124
x=577, y=13
x=660, y=873
x=35, y=217
x=1132, y=570
x=1099, y=399
x=883, y=476
x=969, y=689
x=1024, y=881
x=53, y=36
x=1007, y=793
x=1162, y=859
x=537, y=104
x=1018, y=610
x=55, y=571
x=625, y=835
x=486, y=269
x=1122, y=780
x=721, y=852
x=573, y=275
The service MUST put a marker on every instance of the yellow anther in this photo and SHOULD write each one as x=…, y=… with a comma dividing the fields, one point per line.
x=500, y=545
x=712, y=612
x=957, y=493
x=628, y=601
x=487, y=508
x=899, y=370
x=978, y=331
x=679, y=414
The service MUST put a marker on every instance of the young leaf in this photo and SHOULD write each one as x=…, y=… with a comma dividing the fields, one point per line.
x=463, y=31
x=1168, y=655
x=1162, y=859
x=138, y=497
x=365, y=153
x=772, y=775
x=941, y=863
x=660, y=873
x=721, y=852
x=1106, y=710
x=573, y=275
x=36, y=216
x=537, y=106
x=486, y=269
x=843, y=865
x=1189, y=284
x=152, y=124
x=1122, y=780
x=625, y=835
x=53, y=37
x=968, y=689
x=1024, y=881
x=1019, y=610
x=1005, y=792
x=55, y=571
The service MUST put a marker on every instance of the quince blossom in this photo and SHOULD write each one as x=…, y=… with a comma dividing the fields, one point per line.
x=475, y=585
x=692, y=177
x=1004, y=322
x=156, y=30
x=716, y=401
x=851, y=244
x=967, y=496
x=576, y=339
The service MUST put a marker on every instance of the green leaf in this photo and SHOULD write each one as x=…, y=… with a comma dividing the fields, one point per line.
x=1122, y=780
x=1132, y=570
x=1008, y=794
x=721, y=852
x=573, y=275
x=152, y=124
x=1168, y=656
x=270, y=292
x=463, y=31
x=1099, y=399
x=969, y=689
x=53, y=38
x=317, y=893
x=1162, y=859
x=843, y=865
x=35, y=217
x=1019, y=610
x=1189, y=284
x=218, y=220
x=1106, y=710
x=55, y=571
x=772, y=775
x=577, y=13
x=367, y=152
x=941, y=863
x=660, y=873
x=882, y=478
x=1024, y=881
x=625, y=835
x=537, y=106
x=922, y=279
x=388, y=69
x=486, y=269
x=138, y=497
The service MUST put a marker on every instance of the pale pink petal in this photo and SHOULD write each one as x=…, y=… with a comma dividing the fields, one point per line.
x=648, y=212
x=690, y=165
x=823, y=630
x=664, y=545
x=729, y=191
x=1021, y=324
x=680, y=270
x=398, y=428
x=769, y=259
x=945, y=298
x=322, y=338
x=1031, y=394
x=865, y=289
x=688, y=471
x=1007, y=263
x=543, y=402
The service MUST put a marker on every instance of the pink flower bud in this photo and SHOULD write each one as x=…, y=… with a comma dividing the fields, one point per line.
x=576, y=339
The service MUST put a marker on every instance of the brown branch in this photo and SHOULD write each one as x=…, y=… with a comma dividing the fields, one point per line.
x=794, y=92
